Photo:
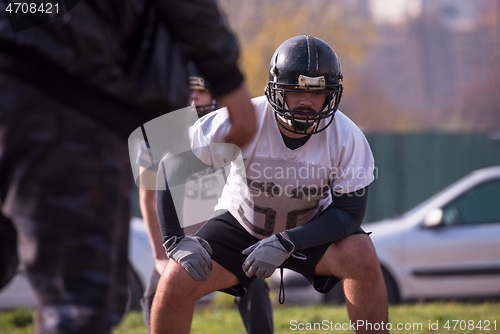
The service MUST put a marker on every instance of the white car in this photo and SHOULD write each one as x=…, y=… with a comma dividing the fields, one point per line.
x=18, y=293
x=448, y=247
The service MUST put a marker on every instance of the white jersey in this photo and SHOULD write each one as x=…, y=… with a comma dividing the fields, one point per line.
x=201, y=190
x=277, y=188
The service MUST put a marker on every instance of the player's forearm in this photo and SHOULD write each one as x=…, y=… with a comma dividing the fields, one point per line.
x=147, y=204
x=335, y=223
x=242, y=116
x=153, y=227
x=177, y=169
x=169, y=222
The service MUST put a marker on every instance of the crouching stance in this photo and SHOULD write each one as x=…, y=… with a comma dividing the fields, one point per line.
x=295, y=199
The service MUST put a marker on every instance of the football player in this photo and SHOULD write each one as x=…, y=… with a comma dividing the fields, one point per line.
x=201, y=94
x=297, y=202
x=255, y=307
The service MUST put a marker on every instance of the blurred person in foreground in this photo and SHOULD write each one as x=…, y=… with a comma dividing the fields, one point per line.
x=296, y=198
x=71, y=91
x=255, y=307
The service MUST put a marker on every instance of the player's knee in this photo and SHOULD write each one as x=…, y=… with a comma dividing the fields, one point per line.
x=362, y=257
x=176, y=284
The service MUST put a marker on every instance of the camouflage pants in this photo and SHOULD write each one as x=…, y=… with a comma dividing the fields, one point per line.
x=66, y=183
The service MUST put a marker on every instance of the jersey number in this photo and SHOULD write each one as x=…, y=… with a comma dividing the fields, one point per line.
x=270, y=217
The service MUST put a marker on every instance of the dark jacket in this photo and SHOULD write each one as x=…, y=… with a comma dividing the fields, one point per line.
x=123, y=62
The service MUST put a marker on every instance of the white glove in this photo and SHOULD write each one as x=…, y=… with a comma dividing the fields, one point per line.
x=192, y=253
x=267, y=255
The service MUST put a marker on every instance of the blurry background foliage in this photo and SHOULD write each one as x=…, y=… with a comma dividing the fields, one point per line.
x=409, y=65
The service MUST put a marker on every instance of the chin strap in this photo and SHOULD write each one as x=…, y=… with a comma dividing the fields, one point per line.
x=281, y=296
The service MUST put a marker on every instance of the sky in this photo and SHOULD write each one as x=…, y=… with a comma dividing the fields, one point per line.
x=394, y=11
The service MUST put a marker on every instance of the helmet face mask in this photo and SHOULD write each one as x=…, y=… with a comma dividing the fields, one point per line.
x=298, y=121
x=198, y=83
x=204, y=109
x=308, y=65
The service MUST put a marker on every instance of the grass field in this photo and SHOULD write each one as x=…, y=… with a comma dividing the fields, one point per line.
x=222, y=317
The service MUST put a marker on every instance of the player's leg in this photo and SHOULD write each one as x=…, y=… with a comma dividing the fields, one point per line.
x=147, y=298
x=177, y=291
x=256, y=309
x=9, y=260
x=355, y=261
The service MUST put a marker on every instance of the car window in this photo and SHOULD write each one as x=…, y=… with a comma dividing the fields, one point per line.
x=478, y=205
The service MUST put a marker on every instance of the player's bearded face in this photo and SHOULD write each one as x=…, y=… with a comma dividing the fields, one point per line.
x=304, y=105
x=299, y=126
x=305, y=101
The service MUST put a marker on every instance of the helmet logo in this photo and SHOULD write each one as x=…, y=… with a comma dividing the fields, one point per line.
x=196, y=82
x=312, y=83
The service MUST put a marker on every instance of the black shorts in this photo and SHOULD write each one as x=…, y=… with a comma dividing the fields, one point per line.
x=228, y=239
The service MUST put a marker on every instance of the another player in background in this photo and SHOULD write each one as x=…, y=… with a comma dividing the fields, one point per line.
x=305, y=181
x=255, y=308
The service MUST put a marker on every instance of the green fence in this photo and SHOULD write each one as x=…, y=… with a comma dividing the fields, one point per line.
x=411, y=168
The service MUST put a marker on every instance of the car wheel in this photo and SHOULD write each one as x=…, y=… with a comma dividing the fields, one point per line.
x=135, y=291
x=391, y=286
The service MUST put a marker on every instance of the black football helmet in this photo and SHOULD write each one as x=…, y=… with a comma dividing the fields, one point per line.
x=196, y=81
x=307, y=64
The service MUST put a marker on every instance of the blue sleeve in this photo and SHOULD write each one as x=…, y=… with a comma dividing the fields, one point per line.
x=341, y=219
